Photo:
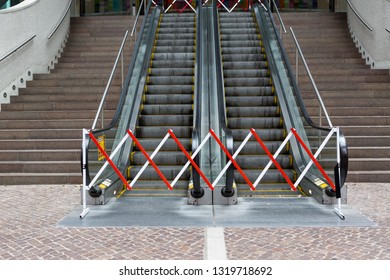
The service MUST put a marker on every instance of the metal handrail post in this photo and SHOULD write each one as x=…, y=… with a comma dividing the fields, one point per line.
x=311, y=78
x=136, y=20
x=109, y=81
x=282, y=26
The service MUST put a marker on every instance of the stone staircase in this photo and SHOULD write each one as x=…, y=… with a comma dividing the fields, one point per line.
x=357, y=98
x=41, y=130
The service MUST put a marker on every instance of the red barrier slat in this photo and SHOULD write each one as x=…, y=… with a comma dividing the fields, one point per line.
x=149, y=159
x=232, y=160
x=109, y=161
x=275, y=162
x=190, y=159
x=313, y=158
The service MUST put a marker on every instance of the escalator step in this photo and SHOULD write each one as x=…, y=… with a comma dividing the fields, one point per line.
x=171, y=109
x=170, y=145
x=249, y=91
x=169, y=171
x=243, y=82
x=274, y=134
x=171, y=89
x=244, y=57
x=162, y=158
x=272, y=176
x=169, y=80
x=247, y=162
x=243, y=50
x=168, y=99
x=250, y=101
x=245, y=64
x=264, y=111
x=248, y=123
x=254, y=148
x=171, y=49
x=172, y=64
x=171, y=72
x=165, y=120
x=160, y=131
x=174, y=56
x=246, y=73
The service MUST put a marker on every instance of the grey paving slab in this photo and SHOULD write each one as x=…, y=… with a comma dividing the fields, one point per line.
x=249, y=212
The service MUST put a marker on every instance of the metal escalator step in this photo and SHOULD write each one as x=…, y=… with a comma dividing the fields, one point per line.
x=247, y=36
x=242, y=82
x=244, y=57
x=170, y=80
x=170, y=145
x=168, y=98
x=244, y=101
x=173, y=25
x=165, y=120
x=229, y=73
x=274, y=134
x=242, y=50
x=238, y=25
x=171, y=63
x=176, y=36
x=171, y=49
x=272, y=176
x=176, y=29
x=164, y=109
x=173, y=56
x=169, y=171
x=252, y=147
x=249, y=91
x=178, y=42
x=267, y=190
x=160, y=131
x=253, y=122
x=262, y=111
x=247, y=162
x=171, y=72
x=238, y=43
x=162, y=158
x=245, y=65
x=169, y=89
x=234, y=31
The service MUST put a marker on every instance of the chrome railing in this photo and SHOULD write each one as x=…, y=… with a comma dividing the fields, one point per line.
x=118, y=57
x=358, y=16
x=282, y=26
x=387, y=29
x=25, y=42
x=299, y=53
x=60, y=21
x=133, y=31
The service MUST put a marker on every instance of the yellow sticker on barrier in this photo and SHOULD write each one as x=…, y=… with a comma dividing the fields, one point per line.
x=102, y=142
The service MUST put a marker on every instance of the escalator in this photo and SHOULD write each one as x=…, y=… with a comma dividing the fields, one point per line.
x=252, y=102
x=167, y=104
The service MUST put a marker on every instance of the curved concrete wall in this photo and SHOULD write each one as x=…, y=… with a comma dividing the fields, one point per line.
x=374, y=45
x=35, y=20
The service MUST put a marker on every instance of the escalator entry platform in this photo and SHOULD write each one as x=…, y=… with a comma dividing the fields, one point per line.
x=130, y=211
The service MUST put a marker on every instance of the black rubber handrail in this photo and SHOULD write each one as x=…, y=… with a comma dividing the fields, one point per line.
x=197, y=191
x=228, y=190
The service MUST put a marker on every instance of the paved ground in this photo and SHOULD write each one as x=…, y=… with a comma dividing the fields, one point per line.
x=29, y=215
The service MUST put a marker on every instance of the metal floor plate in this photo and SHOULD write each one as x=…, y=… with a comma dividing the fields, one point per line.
x=249, y=212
